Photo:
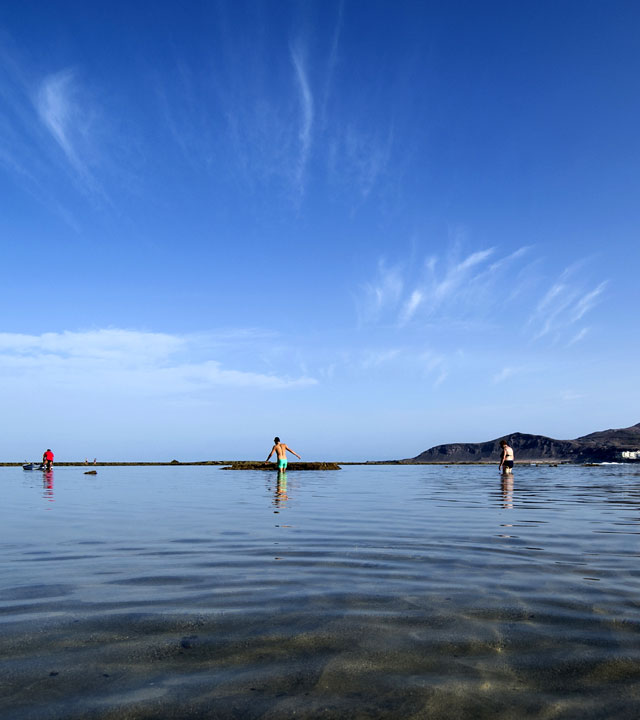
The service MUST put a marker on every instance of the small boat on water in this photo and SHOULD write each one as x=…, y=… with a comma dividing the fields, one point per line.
x=33, y=466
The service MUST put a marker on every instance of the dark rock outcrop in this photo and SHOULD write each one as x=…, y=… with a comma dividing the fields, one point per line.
x=603, y=446
x=249, y=465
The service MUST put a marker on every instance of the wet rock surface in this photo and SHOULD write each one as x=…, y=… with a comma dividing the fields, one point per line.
x=249, y=465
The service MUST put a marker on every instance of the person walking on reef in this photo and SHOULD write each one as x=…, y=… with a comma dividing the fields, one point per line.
x=47, y=459
x=506, y=462
x=280, y=449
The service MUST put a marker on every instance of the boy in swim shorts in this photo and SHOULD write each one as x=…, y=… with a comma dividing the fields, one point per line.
x=280, y=450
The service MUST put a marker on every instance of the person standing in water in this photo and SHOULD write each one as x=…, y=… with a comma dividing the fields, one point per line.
x=47, y=459
x=506, y=462
x=280, y=449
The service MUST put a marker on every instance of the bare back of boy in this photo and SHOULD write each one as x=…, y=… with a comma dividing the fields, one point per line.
x=281, y=450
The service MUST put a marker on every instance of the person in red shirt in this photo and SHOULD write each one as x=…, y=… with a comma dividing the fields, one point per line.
x=47, y=459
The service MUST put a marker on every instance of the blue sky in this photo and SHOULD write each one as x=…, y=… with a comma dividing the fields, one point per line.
x=368, y=228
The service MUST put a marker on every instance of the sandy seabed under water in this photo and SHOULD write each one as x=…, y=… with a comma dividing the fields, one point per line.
x=375, y=592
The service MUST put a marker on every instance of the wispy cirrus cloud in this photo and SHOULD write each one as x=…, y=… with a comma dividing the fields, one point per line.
x=280, y=115
x=332, y=62
x=28, y=154
x=58, y=110
x=378, y=358
x=402, y=361
x=382, y=294
x=111, y=360
x=461, y=288
x=270, y=116
x=434, y=365
x=565, y=303
x=508, y=372
x=587, y=302
x=307, y=113
x=458, y=288
x=53, y=134
x=474, y=298
x=411, y=306
x=572, y=395
x=358, y=157
x=264, y=121
x=455, y=275
x=69, y=115
x=183, y=107
x=580, y=335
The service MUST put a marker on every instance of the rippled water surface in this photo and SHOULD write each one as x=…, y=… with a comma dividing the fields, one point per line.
x=369, y=592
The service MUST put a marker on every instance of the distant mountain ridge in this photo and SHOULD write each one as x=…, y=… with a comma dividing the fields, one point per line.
x=602, y=446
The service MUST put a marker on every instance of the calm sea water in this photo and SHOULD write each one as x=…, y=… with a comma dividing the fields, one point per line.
x=370, y=592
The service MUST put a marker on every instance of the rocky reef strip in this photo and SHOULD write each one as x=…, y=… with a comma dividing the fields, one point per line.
x=290, y=467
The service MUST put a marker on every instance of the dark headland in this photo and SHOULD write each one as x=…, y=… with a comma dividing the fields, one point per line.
x=604, y=446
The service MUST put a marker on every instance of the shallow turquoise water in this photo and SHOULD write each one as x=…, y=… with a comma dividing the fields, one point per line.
x=383, y=591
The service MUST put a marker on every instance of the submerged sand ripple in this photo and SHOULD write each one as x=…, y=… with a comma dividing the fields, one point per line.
x=372, y=595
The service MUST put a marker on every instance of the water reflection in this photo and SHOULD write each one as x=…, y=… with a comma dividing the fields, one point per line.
x=47, y=485
x=280, y=496
x=507, y=491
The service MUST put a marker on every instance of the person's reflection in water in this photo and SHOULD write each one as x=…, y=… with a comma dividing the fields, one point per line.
x=47, y=484
x=280, y=497
x=507, y=491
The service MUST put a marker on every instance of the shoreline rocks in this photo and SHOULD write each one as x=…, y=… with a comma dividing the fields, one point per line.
x=248, y=465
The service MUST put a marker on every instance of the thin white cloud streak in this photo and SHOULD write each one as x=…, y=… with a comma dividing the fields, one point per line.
x=27, y=152
x=399, y=362
x=184, y=97
x=114, y=360
x=68, y=115
x=443, y=375
x=267, y=124
x=306, y=124
x=508, y=259
x=274, y=129
x=456, y=275
x=376, y=358
x=578, y=337
x=331, y=65
x=434, y=364
x=505, y=374
x=587, y=302
x=381, y=294
x=471, y=289
x=55, y=107
x=123, y=346
x=465, y=289
x=570, y=396
x=410, y=307
x=52, y=134
x=357, y=158
x=564, y=303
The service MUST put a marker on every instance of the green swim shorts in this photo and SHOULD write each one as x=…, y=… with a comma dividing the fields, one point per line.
x=282, y=464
